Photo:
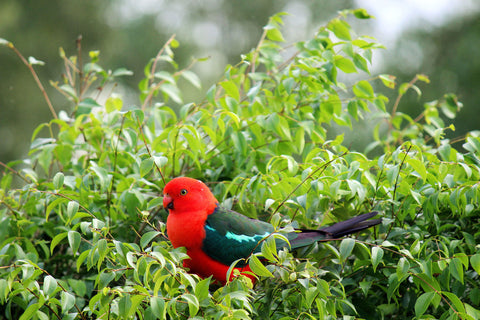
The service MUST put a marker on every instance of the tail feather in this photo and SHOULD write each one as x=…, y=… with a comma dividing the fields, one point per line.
x=340, y=229
x=352, y=225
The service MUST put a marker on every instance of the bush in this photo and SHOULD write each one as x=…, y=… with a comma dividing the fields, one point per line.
x=83, y=232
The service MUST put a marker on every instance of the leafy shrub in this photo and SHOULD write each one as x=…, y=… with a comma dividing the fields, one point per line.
x=83, y=232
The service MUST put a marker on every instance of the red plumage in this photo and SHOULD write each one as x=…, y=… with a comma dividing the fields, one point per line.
x=186, y=225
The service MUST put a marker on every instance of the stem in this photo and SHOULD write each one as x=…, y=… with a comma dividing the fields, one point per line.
x=35, y=77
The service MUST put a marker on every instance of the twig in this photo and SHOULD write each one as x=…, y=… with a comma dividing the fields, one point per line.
x=35, y=76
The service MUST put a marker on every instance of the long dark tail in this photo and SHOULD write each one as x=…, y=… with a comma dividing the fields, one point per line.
x=307, y=237
x=352, y=225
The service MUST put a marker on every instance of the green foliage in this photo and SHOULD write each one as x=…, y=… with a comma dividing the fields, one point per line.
x=84, y=235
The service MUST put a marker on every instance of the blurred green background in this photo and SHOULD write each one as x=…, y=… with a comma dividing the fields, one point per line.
x=436, y=37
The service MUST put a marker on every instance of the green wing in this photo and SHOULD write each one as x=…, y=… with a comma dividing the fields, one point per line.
x=230, y=236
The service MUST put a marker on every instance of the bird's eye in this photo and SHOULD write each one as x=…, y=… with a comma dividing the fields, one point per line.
x=183, y=192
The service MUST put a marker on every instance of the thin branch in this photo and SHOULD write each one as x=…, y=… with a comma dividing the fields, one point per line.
x=35, y=76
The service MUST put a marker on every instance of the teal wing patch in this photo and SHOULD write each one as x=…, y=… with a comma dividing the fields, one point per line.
x=230, y=236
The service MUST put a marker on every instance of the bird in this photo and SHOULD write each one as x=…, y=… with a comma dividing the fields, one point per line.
x=216, y=237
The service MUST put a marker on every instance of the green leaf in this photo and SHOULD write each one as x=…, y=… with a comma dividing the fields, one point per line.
x=147, y=237
x=362, y=14
x=423, y=302
x=365, y=286
x=475, y=262
x=275, y=35
x=171, y=91
x=122, y=72
x=85, y=106
x=258, y=268
x=58, y=180
x=74, y=240
x=346, y=247
x=135, y=301
x=113, y=104
x=67, y=301
x=158, y=307
x=457, y=303
x=101, y=173
x=3, y=290
x=49, y=285
x=193, y=305
x=124, y=305
x=201, y=289
x=231, y=90
x=33, y=308
x=56, y=240
x=146, y=166
x=81, y=258
x=388, y=80
x=344, y=64
x=72, y=209
x=418, y=166
x=377, y=255
x=340, y=28
x=456, y=269
x=363, y=89
x=402, y=267
x=192, y=78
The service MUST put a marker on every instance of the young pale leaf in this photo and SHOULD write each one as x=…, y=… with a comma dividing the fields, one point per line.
x=402, y=267
x=67, y=301
x=258, y=268
x=122, y=72
x=268, y=203
x=74, y=240
x=49, y=285
x=4, y=42
x=377, y=255
x=33, y=61
x=192, y=78
x=346, y=247
x=58, y=180
x=72, y=209
x=171, y=91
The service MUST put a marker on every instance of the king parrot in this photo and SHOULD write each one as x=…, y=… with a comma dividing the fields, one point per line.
x=215, y=237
